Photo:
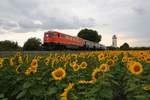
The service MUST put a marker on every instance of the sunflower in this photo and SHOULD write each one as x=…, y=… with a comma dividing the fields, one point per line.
x=58, y=74
x=110, y=62
x=125, y=59
x=141, y=53
x=104, y=68
x=115, y=58
x=101, y=56
x=129, y=64
x=11, y=61
x=142, y=58
x=20, y=61
x=75, y=66
x=1, y=62
x=64, y=95
x=83, y=65
x=30, y=71
x=38, y=58
x=146, y=88
x=46, y=61
x=94, y=73
x=147, y=59
x=27, y=72
x=19, y=70
x=34, y=63
x=136, y=68
x=129, y=59
x=70, y=86
x=86, y=82
x=33, y=71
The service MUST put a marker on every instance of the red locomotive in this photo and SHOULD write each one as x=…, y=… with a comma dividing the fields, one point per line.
x=55, y=41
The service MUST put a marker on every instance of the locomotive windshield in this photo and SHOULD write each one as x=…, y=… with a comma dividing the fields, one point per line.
x=50, y=34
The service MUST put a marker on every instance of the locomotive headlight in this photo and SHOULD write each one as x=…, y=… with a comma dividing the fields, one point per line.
x=46, y=35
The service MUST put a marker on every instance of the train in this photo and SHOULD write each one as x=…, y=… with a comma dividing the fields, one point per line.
x=54, y=40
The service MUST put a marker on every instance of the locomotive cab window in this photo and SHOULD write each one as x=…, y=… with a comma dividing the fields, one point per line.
x=51, y=34
x=62, y=35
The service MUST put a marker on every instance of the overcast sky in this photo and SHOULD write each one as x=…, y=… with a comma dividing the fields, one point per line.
x=128, y=19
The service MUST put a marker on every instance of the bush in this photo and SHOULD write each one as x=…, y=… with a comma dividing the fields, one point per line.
x=32, y=44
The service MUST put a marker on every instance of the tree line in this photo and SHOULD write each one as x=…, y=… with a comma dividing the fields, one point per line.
x=35, y=44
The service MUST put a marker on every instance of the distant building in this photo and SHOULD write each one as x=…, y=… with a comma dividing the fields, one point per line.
x=114, y=41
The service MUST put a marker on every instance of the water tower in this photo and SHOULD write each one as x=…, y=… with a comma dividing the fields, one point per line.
x=114, y=41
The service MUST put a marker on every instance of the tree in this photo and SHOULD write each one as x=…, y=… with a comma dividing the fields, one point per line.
x=8, y=45
x=125, y=46
x=89, y=34
x=32, y=44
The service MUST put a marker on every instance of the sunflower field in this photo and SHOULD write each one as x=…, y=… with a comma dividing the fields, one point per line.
x=95, y=75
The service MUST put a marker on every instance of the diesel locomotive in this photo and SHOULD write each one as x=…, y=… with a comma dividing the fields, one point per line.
x=59, y=41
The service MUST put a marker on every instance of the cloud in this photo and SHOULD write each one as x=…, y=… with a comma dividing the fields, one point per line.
x=25, y=12
x=130, y=17
x=7, y=25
